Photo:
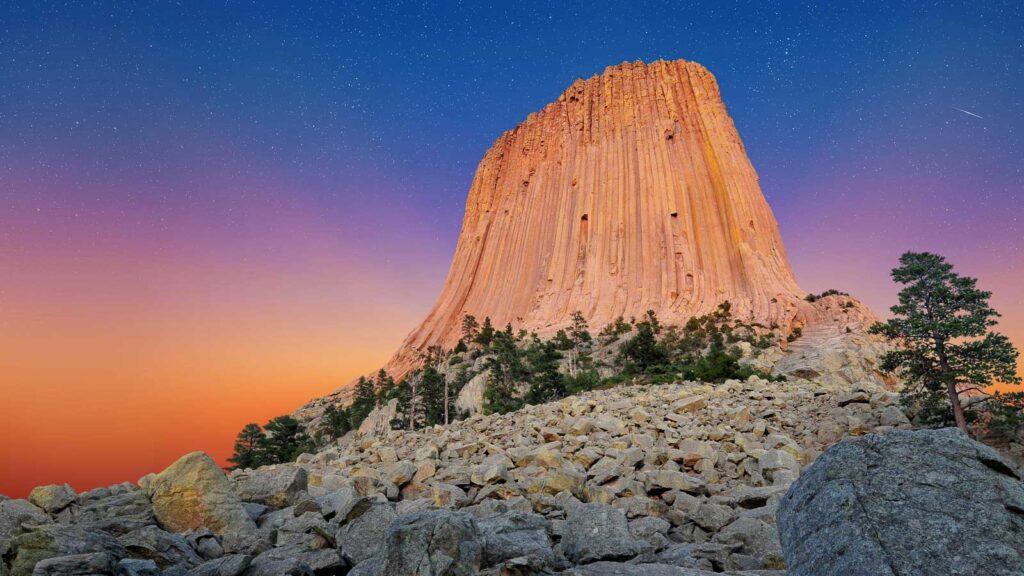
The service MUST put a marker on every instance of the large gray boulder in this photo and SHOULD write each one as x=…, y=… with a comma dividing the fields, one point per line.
x=99, y=563
x=758, y=542
x=277, y=486
x=52, y=541
x=362, y=536
x=163, y=548
x=194, y=493
x=598, y=532
x=435, y=543
x=516, y=535
x=52, y=498
x=115, y=513
x=15, y=514
x=230, y=565
x=930, y=502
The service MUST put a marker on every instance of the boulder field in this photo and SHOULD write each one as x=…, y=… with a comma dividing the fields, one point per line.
x=683, y=479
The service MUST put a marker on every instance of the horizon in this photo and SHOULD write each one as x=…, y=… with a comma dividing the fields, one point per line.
x=209, y=217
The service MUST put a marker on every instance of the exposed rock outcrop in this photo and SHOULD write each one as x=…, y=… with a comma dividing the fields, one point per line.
x=929, y=502
x=630, y=192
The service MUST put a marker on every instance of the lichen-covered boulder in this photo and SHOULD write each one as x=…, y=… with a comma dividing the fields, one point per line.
x=276, y=486
x=53, y=541
x=163, y=548
x=363, y=535
x=435, y=543
x=52, y=498
x=597, y=532
x=14, y=514
x=194, y=493
x=928, y=502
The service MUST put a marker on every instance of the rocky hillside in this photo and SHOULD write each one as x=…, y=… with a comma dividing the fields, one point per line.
x=682, y=478
x=685, y=474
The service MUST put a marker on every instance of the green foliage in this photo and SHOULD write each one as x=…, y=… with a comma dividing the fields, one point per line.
x=582, y=381
x=470, y=328
x=247, y=447
x=280, y=440
x=562, y=341
x=547, y=383
x=486, y=334
x=507, y=371
x=794, y=334
x=431, y=391
x=942, y=324
x=364, y=400
x=643, y=354
x=614, y=330
x=579, y=331
x=284, y=439
x=927, y=408
x=334, y=424
x=460, y=347
x=1007, y=413
x=384, y=387
x=829, y=292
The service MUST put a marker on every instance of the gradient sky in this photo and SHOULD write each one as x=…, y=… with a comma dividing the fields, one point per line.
x=211, y=212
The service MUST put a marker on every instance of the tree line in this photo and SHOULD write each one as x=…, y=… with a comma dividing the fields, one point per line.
x=941, y=325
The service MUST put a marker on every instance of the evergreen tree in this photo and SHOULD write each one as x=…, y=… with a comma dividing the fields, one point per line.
x=432, y=392
x=470, y=328
x=506, y=372
x=486, y=334
x=579, y=331
x=409, y=402
x=562, y=340
x=580, y=338
x=247, y=447
x=284, y=440
x=334, y=424
x=364, y=400
x=942, y=324
x=546, y=382
x=385, y=387
x=642, y=353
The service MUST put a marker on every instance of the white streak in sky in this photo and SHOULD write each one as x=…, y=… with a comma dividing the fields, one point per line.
x=966, y=112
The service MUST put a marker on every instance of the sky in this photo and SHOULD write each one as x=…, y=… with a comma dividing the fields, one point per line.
x=211, y=212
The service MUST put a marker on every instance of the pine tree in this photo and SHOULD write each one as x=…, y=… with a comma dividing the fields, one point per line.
x=580, y=338
x=334, y=424
x=642, y=353
x=247, y=447
x=364, y=400
x=941, y=324
x=431, y=390
x=486, y=334
x=410, y=399
x=284, y=440
x=470, y=328
x=506, y=372
x=385, y=387
x=546, y=382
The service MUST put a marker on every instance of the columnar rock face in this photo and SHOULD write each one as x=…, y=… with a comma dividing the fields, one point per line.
x=631, y=192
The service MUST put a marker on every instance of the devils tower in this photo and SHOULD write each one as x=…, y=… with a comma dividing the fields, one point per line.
x=631, y=192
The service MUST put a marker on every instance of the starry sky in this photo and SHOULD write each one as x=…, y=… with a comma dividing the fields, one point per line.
x=213, y=211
